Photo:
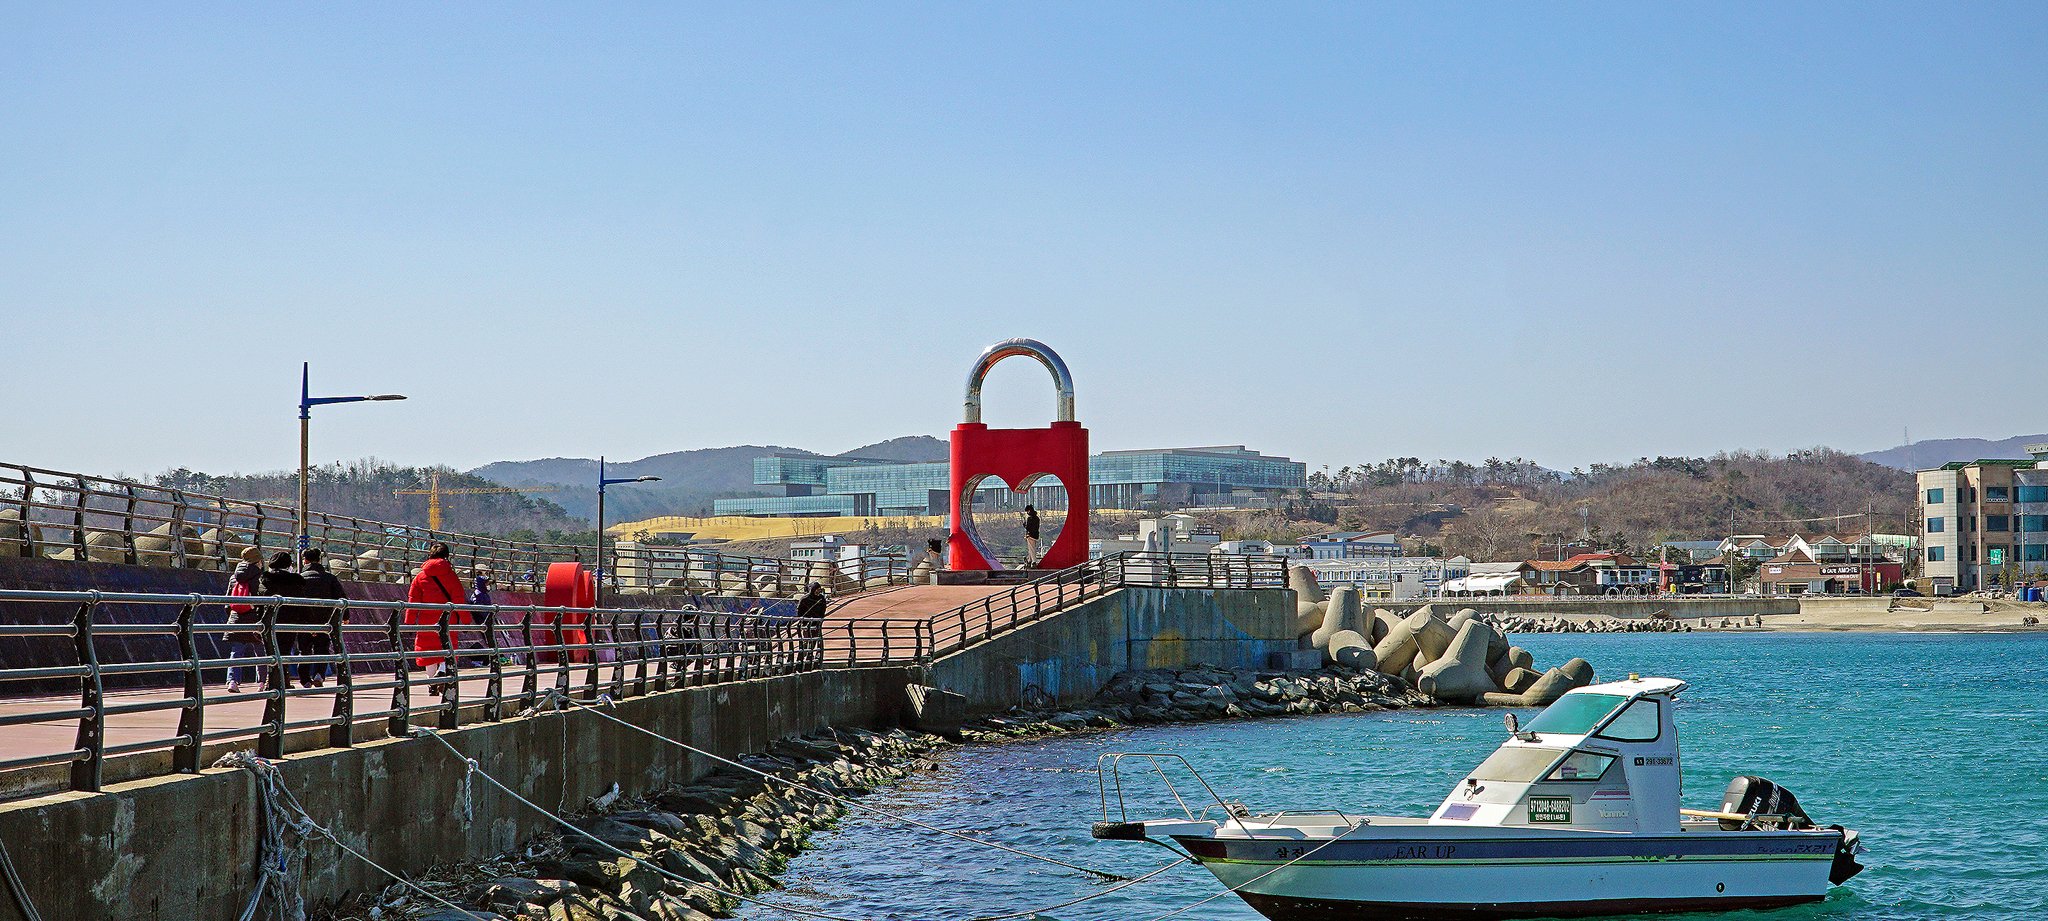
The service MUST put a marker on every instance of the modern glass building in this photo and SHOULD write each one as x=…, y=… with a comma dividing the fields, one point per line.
x=1210, y=476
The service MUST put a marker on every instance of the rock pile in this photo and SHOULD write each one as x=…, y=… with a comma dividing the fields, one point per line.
x=729, y=829
x=1551, y=623
x=1156, y=695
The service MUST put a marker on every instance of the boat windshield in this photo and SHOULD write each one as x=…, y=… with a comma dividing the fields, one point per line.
x=1575, y=714
x=1515, y=764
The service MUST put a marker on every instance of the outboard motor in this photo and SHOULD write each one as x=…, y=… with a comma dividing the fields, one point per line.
x=1759, y=797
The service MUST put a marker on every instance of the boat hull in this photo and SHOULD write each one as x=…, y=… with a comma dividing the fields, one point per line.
x=1557, y=875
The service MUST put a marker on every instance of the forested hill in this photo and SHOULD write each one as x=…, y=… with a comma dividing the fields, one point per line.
x=369, y=489
x=1501, y=509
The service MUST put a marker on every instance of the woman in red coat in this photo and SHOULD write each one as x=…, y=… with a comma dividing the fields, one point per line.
x=435, y=584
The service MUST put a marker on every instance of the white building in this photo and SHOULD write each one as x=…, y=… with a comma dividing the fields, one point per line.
x=1390, y=578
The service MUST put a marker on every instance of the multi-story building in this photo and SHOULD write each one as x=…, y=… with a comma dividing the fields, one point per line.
x=1391, y=578
x=811, y=485
x=1984, y=523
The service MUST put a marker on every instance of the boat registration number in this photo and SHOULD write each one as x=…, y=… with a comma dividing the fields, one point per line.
x=1550, y=809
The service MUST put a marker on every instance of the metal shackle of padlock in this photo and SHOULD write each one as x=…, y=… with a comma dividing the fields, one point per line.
x=1019, y=457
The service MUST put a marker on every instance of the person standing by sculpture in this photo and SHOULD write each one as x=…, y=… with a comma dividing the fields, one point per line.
x=434, y=584
x=281, y=581
x=319, y=583
x=1030, y=537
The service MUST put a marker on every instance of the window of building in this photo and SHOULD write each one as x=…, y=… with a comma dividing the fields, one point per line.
x=1973, y=553
x=2035, y=553
x=1934, y=497
x=1996, y=494
x=1995, y=523
x=1934, y=554
x=1935, y=525
x=2034, y=522
x=2031, y=493
x=1969, y=522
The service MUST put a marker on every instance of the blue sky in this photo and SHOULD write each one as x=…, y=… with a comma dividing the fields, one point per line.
x=1576, y=233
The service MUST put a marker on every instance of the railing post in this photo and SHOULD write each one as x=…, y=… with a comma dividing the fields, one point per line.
x=399, y=724
x=451, y=693
x=271, y=743
x=192, y=720
x=28, y=521
x=529, y=687
x=640, y=651
x=593, y=672
x=128, y=528
x=342, y=733
x=618, y=682
x=179, y=558
x=494, y=693
x=78, y=522
x=92, y=736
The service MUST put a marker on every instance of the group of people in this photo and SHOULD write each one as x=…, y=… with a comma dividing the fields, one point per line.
x=311, y=580
x=435, y=582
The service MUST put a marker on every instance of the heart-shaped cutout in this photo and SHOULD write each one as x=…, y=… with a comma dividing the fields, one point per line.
x=995, y=521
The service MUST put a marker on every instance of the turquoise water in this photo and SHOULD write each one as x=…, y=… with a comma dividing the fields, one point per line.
x=1935, y=747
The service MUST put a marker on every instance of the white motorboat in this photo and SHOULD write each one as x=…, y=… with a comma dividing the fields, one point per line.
x=1576, y=814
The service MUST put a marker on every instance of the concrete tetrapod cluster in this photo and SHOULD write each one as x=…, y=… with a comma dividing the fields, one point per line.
x=1464, y=659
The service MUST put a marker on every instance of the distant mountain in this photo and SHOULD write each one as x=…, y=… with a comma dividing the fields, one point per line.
x=1922, y=455
x=910, y=449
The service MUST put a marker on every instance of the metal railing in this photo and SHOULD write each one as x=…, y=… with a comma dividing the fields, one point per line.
x=524, y=655
x=697, y=571
x=49, y=514
x=983, y=618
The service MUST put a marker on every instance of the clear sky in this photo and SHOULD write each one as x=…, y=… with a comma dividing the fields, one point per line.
x=1572, y=232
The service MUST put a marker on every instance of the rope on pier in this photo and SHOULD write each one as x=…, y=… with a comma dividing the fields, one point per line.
x=842, y=800
x=282, y=813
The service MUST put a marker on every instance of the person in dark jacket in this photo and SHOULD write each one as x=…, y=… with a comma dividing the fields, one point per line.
x=244, y=644
x=281, y=581
x=319, y=584
x=810, y=623
x=1030, y=537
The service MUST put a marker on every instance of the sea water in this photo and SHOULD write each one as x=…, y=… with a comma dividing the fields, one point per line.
x=1933, y=746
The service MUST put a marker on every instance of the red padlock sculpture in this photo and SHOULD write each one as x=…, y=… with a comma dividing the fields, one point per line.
x=1020, y=457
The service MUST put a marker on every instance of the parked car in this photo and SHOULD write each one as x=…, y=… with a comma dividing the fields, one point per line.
x=1907, y=593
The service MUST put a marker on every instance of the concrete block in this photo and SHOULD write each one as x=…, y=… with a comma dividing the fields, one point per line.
x=1348, y=647
x=1460, y=674
x=1432, y=635
x=1344, y=611
x=1304, y=583
x=934, y=709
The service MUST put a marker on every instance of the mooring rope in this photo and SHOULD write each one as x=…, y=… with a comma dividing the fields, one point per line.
x=480, y=772
x=15, y=887
x=273, y=795
x=847, y=802
x=1233, y=890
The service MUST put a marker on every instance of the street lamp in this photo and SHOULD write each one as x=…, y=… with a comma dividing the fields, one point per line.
x=602, y=482
x=306, y=403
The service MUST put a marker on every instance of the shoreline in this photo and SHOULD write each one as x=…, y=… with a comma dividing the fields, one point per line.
x=1905, y=621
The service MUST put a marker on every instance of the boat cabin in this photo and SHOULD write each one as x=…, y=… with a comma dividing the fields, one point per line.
x=1602, y=758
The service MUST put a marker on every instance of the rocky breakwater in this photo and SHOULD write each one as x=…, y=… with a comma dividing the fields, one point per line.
x=691, y=844
x=1552, y=623
x=1210, y=693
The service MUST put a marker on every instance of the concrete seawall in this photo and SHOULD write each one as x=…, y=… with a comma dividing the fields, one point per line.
x=1070, y=657
x=182, y=847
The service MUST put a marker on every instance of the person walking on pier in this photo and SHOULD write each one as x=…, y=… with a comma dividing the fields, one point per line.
x=279, y=580
x=244, y=644
x=435, y=584
x=319, y=584
x=1030, y=537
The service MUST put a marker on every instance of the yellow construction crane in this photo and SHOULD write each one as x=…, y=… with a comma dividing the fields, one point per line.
x=434, y=492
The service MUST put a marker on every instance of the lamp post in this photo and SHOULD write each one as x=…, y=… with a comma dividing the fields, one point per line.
x=306, y=403
x=603, y=482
